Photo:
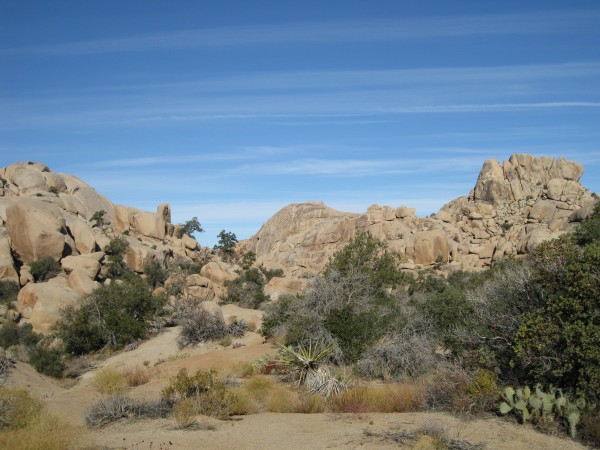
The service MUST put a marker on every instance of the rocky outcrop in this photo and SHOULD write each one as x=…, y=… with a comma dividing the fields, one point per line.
x=49, y=214
x=513, y=207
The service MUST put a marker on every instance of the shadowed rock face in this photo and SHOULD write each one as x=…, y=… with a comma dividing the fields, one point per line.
x=513, y=207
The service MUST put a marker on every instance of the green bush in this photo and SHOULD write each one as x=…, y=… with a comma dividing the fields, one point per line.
x=8, y=292
x=47, y=360
x=98, y=218
x=247, y=290
x=12, y=334
x=115, y=251
x=45, y=268
x=112, y=315
x=156, y=274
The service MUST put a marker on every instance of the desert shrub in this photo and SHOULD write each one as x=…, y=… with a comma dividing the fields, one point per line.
x=237, y=328
x=108, y=410
x=406, y=350
x=151, y=409
x=386, y=398
x=199, y=325
x=247, y=290
x=310, y=404
x=271, y=273
x=47, y=360
x=6, y=366
x=447, y=389
x=45, y=433
x=12, y=334
x=112, y=315
x=558, y=343
x=115, y=251
x=248, y=260
x=137, y=376
x=184, y=412
x=226, y=341
x=8, y=292
x=589, y=230
x=183, y=385
x=156, y=275
x=210, y=395
x=109, y=382
x=591, y=427
x=98, y=218
x=45, y=268
x=17, y=408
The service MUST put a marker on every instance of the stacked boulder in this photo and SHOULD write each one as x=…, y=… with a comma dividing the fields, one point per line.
x=44, y=214
x=513, y=207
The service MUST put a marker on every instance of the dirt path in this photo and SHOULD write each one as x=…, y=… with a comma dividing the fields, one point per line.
x=323, y=431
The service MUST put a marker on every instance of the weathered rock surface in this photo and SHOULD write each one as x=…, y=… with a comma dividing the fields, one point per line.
x=44, y=213
x=513, y=207
x=41, y=302
x=279, y=286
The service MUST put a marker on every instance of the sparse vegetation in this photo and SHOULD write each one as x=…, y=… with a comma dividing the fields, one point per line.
x=115, y=251
x=226, y=243
x=189, y=227
x=44, y=269
x=8, y=292
x=98, y=219
x=112, y=315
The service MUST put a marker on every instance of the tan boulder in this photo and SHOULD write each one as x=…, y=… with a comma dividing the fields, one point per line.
x=543, y=210
x=199, y=287
x=41, y=303
x=85, y=240
x=83, y=263
x=25, y=275
x=218, y=272
x=120, y=218
x=404, y=211
x=138, y=255
x=189, y=242
x=81, y=282
x=428, y=246
x=211, y=307
x=27, y=176
x=7, y=265
x=278, y=286
x=36, y=229
x=444, y=216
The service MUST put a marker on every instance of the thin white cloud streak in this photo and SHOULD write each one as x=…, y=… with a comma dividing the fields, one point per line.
x=338, y=79
x=327, y=32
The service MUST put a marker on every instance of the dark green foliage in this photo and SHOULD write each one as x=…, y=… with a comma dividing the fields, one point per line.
x=44, y=268
x=112, y=315
x=190, y=227
x=226, y=243
x=271, y=273
x=559, y=341
x=156, y=274
x=278, y=315
x=354, y=332
x=115, y=251
x=248, y=260
x=247, y=290
x=11, y=334
x=589, y=230
x=8, y=292
x=370, y=256
x=47, y=360
x=98, y=219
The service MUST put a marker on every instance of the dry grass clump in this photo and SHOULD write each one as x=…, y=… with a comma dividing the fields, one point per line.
x=403, y=397
x=137, y=376
x=184, y=412
x=17, y=408
x=25, y=425
x=109, y=381
x=45, y=433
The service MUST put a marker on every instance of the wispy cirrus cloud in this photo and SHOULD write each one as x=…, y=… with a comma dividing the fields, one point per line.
x=326, y=32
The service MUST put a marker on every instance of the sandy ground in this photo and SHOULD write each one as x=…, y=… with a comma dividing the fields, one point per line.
x=259, y=431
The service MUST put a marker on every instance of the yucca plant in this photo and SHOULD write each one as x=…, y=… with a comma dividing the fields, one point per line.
x=306, y=366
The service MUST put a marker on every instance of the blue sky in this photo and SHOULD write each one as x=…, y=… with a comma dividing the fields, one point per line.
x=230, y=110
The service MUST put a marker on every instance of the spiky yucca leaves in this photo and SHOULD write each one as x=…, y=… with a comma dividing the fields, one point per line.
x=306, y=366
